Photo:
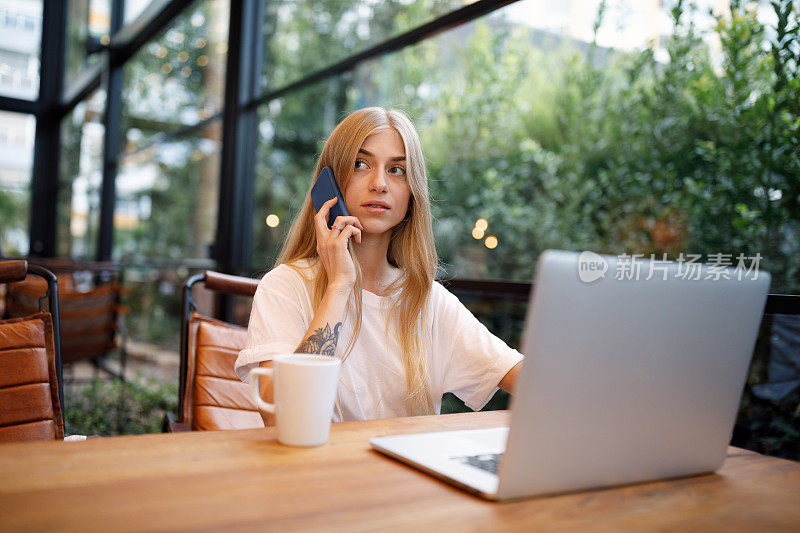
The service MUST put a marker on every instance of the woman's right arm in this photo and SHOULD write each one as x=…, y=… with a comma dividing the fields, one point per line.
x=321, y=337
x=322, y=334
x=323, y=331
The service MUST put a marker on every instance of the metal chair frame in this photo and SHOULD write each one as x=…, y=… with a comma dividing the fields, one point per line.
x=52, y=299
x=219, y=283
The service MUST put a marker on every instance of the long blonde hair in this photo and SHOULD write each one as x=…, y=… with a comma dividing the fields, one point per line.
x=411, y=248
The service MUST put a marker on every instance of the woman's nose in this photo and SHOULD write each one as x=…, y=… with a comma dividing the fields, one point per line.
x=377, y=181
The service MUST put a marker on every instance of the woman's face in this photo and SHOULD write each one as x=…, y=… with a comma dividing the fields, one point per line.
x=378, y=193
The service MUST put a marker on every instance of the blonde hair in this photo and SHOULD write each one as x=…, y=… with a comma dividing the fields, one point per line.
x=411, y=247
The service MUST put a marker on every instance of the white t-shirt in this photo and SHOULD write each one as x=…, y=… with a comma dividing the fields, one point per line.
x=465, y=358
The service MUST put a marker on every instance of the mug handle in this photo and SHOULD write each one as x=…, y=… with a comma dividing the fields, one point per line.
x=268, y=372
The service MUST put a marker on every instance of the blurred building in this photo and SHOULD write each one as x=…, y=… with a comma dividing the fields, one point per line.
x=20, y=38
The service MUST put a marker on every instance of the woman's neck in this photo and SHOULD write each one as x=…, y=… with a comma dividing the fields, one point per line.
x=376, y=272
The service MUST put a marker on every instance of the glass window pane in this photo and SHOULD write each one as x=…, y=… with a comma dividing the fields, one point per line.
x=651, y=143
x=290, y=133
x=16, y=163
x=302, y=36
x=167, y=198
x=556, y=144
x=134, y=8
x=81, y=178
x=88, y=26
x=164, y=224
x=178, y=79
x=20, y=41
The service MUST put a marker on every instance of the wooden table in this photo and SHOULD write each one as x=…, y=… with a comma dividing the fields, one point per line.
x=245, y=480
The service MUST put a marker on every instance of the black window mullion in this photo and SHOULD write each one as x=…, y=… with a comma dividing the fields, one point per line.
x=112, y=122
x=18, y=105
x=233, y=245
x=446, y=22
x=158, y=14
x=44, y=180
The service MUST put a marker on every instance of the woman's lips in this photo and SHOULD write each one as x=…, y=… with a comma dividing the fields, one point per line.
x=376, y=208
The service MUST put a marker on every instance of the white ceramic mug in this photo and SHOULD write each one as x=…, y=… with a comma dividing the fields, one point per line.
x=304, y=389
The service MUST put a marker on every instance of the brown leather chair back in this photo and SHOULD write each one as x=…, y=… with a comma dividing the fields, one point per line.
x=88, y=318
x=30, y=390
x=30, y=407
x=214, y=397
x=211, y=395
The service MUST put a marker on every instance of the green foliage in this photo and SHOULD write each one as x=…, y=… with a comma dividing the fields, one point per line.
x=119, y=408
x=155, y=305
x=14, y=215
x=645, y=156
x=701, y=152
x=570, y=146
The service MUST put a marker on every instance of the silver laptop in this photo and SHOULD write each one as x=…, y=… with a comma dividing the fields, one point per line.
x=634, y=371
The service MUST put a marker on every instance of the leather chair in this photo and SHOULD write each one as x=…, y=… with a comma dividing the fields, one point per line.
x=30, y=365
x=211, y=396
x=89, y=315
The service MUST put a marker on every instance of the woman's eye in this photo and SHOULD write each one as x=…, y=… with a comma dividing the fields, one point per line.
x=397, y=170
x=360, y=164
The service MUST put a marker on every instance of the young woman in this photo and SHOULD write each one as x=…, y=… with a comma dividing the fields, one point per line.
x=364, y=290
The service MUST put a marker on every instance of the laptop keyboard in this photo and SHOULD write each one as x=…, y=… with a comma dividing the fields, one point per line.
x=485, y=461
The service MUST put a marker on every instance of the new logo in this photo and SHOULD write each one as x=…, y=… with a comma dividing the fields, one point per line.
x=591, y=267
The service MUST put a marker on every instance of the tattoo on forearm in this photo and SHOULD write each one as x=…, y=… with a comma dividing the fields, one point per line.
x=322, y=341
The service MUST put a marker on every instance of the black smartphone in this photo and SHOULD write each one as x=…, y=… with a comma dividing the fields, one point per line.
x=323, y=190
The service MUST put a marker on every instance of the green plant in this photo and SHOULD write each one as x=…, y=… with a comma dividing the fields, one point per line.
x=118, y=408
